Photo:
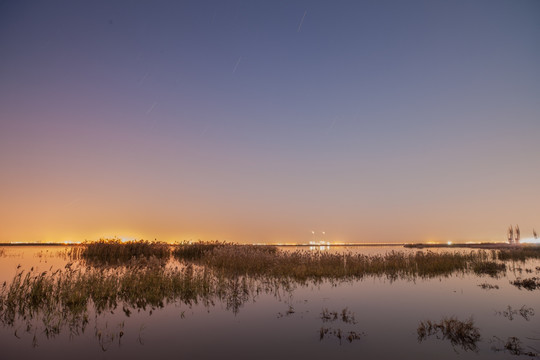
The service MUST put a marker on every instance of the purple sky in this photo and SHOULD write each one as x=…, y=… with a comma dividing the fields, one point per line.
x=262, y=121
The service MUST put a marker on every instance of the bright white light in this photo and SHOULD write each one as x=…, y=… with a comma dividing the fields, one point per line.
x=449, y=243
x=530, y=241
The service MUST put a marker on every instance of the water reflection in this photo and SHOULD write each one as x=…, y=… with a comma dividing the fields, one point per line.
x=460, y=333
x=111, y=301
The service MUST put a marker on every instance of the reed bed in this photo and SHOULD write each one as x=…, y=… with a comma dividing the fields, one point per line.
x=307, y=265
x=491, y=268
x=63, y=298
x=115, y=251
x=521, y=253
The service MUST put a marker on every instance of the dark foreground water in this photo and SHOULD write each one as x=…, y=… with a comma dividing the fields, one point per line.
x=289, y=322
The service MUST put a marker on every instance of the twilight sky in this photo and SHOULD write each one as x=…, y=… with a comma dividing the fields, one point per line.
x=262, y=121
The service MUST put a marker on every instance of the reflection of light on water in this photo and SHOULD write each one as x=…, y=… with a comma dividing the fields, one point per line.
x=320, y=243
x=530, y=241
x=320, y=248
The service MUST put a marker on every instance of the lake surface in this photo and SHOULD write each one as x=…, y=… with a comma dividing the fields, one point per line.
x=288, y=320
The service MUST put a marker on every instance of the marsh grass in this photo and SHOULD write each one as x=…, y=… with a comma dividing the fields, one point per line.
x=345, y=315
x=60, y=300
x=514, y=346
x=317, y=266
x=144, y=278
x=528, y=284
x=487, y=286
x=491, y=268
x=459, y=333
x=350, y=336
x=50, y=302
x=115, y=251
x=521, y=253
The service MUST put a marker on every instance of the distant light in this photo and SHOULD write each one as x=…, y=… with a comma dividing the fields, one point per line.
x=449, y=243
x=530, y=241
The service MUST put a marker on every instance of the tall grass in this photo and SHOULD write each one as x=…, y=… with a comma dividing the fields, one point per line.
x=49, y=302
x=62, y=299
x=307, y=265
x=114, y=251
x=521, y=253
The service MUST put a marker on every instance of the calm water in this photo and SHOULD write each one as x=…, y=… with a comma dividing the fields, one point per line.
x=287, y=324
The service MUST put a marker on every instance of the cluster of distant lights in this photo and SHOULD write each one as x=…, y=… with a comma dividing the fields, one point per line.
x=310, y=243
x=44, y=243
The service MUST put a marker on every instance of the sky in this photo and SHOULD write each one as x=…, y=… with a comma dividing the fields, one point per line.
x=266, y=121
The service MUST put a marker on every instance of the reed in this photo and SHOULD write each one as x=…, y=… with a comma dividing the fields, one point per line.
x=462, y=333
x=317, y=266
x=514, y=346
x=115, y=251
x=521, y=253
x=528, y=284
x=491, y=268
x=62, y=299
x=487, y=286
x=350, y=336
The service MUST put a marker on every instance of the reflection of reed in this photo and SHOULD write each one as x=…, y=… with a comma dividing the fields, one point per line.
x=514, y=346
x=462, y=333
x=525, y=312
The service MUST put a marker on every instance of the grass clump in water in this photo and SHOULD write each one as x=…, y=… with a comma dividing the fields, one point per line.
x=462, y=333
x=513, y=345
x=487, y=286
x=529, y=284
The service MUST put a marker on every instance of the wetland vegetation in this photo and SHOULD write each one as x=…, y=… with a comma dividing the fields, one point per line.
x=459, y=333
x=126, y=278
